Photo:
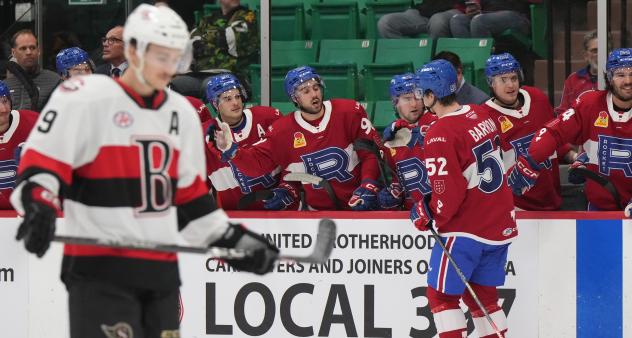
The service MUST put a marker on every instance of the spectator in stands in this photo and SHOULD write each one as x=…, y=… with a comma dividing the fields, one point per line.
x=584, y=79
x=488, y=18
x=431, y=16
x=465, y=93
x=227, y=39
x=113, y=53
x=73, y=61
x=30, y=85
x=15, y=126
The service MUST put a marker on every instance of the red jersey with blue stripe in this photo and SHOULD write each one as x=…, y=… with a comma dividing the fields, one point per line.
x=322, y=148
x=231, y=183
x=606, y=136
x=470, y=195
x=516, y=127
x=408, y=161
x=22, y=121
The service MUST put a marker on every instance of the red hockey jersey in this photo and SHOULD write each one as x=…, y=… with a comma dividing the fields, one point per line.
x=606, y=136
x=470, y=195
x=229, y=182
x=408, y=162
x=22, y=121
x=324, y=149
x=517, y=128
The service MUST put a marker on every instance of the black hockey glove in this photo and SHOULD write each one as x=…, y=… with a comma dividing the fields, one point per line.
x=40, y=211
x=263, y=253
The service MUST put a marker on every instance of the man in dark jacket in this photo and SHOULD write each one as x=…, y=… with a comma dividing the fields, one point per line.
x=431, y=17
x=29, y=84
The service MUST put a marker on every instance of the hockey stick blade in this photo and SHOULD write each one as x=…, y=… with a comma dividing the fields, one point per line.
x=325, y=239
x=323, y=246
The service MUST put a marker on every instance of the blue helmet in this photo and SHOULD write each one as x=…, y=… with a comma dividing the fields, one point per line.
x=4, y=90
x=70, y=57
x=439, y=77
x=618, y=58
x=222, y=83
x=402, y=84
x=501, y=64
x=298, y=76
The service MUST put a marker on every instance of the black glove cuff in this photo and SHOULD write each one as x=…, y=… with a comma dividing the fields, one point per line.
x=231, y=236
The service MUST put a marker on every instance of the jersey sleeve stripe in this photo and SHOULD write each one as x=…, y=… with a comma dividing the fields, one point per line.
x=195, y=209
x=33, y=159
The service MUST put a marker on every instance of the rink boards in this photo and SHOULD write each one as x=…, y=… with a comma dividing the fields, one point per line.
x=569, y=275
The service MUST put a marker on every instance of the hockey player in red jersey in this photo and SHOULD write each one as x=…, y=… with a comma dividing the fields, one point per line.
x=247, y=126
x=470, y=203
x=316, y=139
x=126, y=156
x=73, y=61
x=15, y=126
x=600, y=121
x=404, y=138
x=519, y=112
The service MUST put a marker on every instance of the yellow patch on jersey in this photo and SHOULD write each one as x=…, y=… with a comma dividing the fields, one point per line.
x=299, y=140
x=602, y=120
x=505, y=124
x=393, y=151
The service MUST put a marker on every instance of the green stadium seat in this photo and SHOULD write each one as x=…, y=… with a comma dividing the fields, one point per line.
x=293, y=52
x=383, y=114
x=356, y=51
x=536, y=42
x=277, y=75
x=339, y=62
x=472, y=50
x=377, y=79
x=376, y=9
x=338, y=20
x=250, y=3
x=394, y=51
x=285, y=107
x=287, y=21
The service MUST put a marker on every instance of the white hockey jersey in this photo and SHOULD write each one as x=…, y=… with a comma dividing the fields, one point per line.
x=127, y=170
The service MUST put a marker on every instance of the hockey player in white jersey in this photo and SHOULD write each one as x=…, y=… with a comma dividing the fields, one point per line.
x=126, y=156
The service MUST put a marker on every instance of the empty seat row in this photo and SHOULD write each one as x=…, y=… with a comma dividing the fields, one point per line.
x=362, y=69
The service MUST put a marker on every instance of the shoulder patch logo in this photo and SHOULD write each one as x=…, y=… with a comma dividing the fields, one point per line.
x=123, y=119
x=602, y=120
x=393, y=151
x=299, y=140
x=505, y=123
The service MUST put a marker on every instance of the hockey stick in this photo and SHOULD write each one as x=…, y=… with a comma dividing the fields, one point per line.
x=600, y=179
x=253, y=197
x=368, y=145
x=323, y=246
x=315, y=180
x=464, y=280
